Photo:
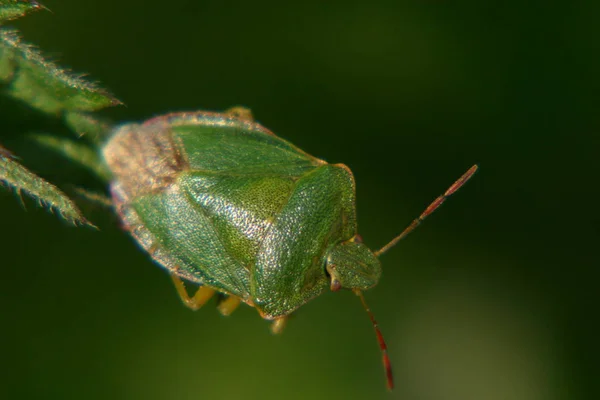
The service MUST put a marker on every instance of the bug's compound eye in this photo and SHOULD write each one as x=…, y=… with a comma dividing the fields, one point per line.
x=357, y=238
x=336, y=285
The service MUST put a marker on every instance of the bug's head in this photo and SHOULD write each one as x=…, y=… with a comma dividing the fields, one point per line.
x=352, y=265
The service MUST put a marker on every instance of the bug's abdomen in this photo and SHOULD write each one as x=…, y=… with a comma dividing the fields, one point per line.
x=144, y=160
x=215, y=224
x=194, y=241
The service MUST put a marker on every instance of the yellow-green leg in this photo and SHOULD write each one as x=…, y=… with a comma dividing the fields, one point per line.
x=278, y=325
x=241, y=113
x=202, y=295
x=228, y=305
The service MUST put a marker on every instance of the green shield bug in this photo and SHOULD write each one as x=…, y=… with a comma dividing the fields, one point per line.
x=220, y=201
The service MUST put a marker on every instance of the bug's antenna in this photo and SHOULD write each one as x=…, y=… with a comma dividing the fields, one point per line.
x=387, y=365
x=430, y=209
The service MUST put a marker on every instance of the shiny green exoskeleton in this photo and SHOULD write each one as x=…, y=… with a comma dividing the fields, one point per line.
x=220, y=201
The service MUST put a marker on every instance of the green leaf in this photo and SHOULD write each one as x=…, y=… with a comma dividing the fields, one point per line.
x=89, y=125
x=75, y=151
x=11, y=9
x=21, y=179
x=5, y=153
x=44, y=85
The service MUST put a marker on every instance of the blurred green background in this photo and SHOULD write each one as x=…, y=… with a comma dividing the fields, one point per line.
x=493, y=298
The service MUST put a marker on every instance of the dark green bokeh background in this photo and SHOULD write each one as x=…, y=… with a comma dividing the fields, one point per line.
x=493, y=298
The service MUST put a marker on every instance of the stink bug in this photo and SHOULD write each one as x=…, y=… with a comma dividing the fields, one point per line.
x=218, y=200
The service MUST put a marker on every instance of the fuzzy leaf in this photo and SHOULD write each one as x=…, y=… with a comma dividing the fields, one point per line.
x=20, y=178
x=43, y=84
x=86, y=124
x=11, y=9
x=7, y=61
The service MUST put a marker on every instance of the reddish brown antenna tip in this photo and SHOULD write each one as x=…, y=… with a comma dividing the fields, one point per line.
x=387, y=365
x=430, y=209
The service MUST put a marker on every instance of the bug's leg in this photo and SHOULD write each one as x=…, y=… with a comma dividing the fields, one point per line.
x=278, y=325
x=241, y=113
x=228, y=305
x=202, y=295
